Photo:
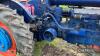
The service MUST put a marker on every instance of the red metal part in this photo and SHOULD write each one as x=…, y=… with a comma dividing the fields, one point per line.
x=12, y=50
x=30, y=8
x=24, y=0
x=96, y=48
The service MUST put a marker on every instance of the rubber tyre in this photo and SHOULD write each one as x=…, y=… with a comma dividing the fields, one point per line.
x=23, y=37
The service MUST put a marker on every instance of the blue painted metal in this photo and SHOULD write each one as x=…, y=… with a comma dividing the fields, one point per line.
x=51, y=26
x=27, y=15
x=5, y=41
x=37, y=4
x=78, y=36
x=84, y=37
x=40, y=8
x=76, y=2
x=56, y=14
x=50, y=34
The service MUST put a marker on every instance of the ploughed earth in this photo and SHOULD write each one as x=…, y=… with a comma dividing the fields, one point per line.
x=62, y=48
x=59, y=47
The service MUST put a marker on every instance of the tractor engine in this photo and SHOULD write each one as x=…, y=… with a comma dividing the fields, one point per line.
x=81, y=24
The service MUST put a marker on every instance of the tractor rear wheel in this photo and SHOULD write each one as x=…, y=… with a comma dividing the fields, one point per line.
x=23, y=37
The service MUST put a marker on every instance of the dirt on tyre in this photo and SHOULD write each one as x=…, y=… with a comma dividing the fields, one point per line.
x=23, y=37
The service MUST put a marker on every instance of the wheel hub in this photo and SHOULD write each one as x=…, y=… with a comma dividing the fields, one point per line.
x=7, y=42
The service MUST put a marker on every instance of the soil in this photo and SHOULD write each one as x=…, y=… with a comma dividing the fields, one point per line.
x=68, y=50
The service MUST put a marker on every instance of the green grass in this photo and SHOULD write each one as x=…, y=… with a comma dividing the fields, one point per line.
x=65, y=7
x=19, y=54
x=38, y=47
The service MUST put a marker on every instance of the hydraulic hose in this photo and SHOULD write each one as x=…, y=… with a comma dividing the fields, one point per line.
x=62, y=27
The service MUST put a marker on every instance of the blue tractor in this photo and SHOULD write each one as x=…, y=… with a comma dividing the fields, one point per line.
x=82, y=24
x=82, y=20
